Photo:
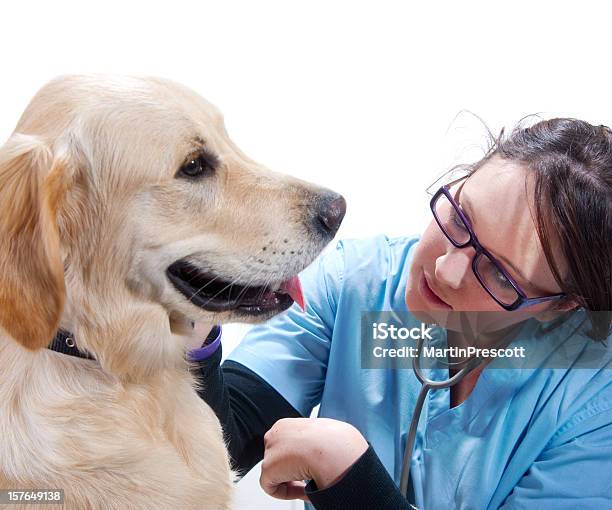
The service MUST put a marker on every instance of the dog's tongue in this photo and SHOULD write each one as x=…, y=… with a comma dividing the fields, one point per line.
x=293, y=287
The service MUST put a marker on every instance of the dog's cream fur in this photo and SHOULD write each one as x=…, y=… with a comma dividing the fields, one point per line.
x=91, y=215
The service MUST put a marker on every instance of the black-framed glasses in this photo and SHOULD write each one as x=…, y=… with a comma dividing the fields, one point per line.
x=491, y=274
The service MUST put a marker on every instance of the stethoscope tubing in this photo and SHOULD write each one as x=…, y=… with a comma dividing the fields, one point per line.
x=427, y=384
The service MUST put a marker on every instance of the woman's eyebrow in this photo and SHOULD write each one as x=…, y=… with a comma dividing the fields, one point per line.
x=467, y=209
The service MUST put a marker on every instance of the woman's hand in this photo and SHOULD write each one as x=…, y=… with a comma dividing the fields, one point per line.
x=298, y=449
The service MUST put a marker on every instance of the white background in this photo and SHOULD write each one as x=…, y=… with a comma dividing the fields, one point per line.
x=362, y=97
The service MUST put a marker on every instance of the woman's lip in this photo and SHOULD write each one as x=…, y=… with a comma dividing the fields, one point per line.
x=430, y=295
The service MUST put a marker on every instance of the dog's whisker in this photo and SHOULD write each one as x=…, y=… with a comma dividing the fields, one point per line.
x=206, y=285
x=235, y=280
x=229, y=294
x=203, y=287
x=249, y=284
x=216, y=278
x=221, y=291
x=232, y=283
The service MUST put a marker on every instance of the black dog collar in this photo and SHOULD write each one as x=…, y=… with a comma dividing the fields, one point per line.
x=64, y=342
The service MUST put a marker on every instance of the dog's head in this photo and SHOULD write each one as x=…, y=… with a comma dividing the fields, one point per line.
x=124, y=198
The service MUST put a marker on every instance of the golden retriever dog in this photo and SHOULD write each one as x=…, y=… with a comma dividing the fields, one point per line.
x=126, y=215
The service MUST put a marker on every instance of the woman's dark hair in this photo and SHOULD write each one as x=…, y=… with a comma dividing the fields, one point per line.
x=572, y=165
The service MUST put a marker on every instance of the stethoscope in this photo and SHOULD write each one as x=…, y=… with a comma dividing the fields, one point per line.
x=427, y=384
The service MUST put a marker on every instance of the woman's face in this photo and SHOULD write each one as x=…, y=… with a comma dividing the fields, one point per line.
x=498, y=200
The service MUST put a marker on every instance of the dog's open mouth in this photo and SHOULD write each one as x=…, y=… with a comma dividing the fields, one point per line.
x=214, y=294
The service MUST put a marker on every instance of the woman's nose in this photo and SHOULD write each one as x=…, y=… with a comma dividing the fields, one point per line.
x=453, y=266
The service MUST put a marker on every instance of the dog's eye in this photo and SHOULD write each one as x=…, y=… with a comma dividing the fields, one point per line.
x=198, y=165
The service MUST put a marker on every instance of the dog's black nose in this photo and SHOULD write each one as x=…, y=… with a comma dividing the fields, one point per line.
x=332, y=209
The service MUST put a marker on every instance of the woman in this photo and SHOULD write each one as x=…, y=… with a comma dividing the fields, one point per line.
x=532, y=219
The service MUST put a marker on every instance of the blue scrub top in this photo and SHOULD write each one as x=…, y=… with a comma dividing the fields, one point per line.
x=524, y=438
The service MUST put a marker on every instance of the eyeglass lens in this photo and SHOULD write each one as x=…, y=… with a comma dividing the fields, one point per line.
x=490, y=276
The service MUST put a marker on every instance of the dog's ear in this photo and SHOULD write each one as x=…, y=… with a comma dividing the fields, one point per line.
x=32, y=288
